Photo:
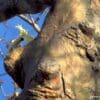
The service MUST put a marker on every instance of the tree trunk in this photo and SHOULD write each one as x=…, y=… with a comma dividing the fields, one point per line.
x=63, y=62
x=10, y=8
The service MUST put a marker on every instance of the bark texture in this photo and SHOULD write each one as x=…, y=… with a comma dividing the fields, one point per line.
x=63, y=62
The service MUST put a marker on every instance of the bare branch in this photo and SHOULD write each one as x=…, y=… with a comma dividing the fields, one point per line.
x=34, y=23
x=31, y=22
x=2, y=90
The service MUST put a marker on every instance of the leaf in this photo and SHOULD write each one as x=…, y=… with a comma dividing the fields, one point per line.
x=24, y=33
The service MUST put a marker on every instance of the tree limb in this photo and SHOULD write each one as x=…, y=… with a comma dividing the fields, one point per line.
x=31, y=22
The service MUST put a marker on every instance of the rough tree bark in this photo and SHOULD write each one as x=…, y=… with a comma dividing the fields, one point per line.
x=63, y=62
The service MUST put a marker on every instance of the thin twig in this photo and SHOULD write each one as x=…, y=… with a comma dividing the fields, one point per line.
x=34, y=23
x=47, y=10
x=39, y=17
x=3, y=92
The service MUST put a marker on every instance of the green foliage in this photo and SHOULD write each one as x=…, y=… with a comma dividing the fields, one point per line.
x=24, y=33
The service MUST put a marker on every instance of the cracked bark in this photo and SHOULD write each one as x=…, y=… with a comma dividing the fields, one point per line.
x=61, y=48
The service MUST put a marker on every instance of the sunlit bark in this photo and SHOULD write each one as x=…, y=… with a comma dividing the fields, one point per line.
x=63, y=62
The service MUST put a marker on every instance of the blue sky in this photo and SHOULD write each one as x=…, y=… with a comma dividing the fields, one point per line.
x=8, y=31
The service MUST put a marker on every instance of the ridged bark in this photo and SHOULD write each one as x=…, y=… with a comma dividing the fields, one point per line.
x=63, y=62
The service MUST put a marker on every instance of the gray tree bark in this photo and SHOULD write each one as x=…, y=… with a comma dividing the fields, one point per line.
x=63, y=62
